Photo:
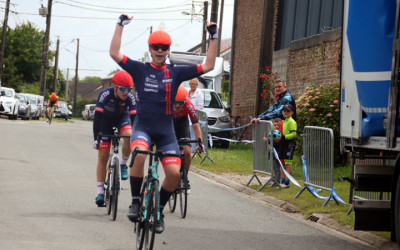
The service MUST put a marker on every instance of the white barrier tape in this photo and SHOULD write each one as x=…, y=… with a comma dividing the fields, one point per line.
x=284, y=170
x=227, y=129
x=230, y=140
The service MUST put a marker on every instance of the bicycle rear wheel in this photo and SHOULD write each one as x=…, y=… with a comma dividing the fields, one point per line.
x=183, y=192
x=107, y=191
x=140, y=225
x=153, y=215
x=172, y=201
x=115, y=188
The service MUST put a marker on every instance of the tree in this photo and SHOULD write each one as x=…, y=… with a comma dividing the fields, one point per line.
x=23, y=55
x=91, y=79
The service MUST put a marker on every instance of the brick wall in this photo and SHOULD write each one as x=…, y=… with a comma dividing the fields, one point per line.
x=314, y=59
x=246, y=55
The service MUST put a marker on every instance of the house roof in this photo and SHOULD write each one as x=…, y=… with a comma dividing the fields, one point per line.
x=88, y=91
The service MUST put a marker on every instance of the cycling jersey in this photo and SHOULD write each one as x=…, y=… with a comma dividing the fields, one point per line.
x=113, y=113
x=157, y=87
x=53, y=101
x=186, y=110
x=276, y=109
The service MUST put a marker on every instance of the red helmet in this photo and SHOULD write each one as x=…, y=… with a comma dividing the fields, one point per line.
x=159, y=37
x=53, y=95
x=182, y=94
x=123, y=79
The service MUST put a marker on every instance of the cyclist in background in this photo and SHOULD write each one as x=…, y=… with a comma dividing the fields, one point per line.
x=183, y=111
x=115, y=107
x=52, y=102
x=156, y=84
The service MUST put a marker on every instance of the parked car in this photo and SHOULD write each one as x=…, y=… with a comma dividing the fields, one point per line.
x=9, y=104
x=62, y=110
x=218, y=116
x=33, y=101
x=88, y=112
x=40, y=105
x=24, y=110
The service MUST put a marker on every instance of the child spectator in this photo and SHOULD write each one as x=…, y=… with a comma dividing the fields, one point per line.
x=276, y=165
x=287, y=142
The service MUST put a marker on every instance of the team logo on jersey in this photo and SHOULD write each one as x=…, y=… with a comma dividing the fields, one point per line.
x=167, y=80
x=104, y=95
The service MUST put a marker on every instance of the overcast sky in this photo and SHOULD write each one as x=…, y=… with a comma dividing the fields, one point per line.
x=93, y=22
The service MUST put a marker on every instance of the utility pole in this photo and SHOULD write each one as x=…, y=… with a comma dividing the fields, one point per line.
x=76, y=76
x=56, y=67
x=214, y=11
x=45, y=62
x=3, y=38
x=66, y=85
x=205, y=17
x=221, y=17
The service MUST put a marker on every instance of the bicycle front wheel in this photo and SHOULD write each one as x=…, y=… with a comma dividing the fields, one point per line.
x=183, y=192
x=115, y=188
x=153, y=215
x=140, y=225
x=107, y=191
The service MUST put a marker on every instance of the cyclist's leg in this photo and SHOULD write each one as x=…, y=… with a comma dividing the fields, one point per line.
x=125, y=129
x=141, y=140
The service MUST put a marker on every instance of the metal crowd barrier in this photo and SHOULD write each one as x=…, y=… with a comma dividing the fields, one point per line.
x=318, y=148
x=262, y=155
x=203, y=121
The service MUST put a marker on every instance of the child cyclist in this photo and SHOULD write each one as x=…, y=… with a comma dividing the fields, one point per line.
x=156, y=84
x=287, y=142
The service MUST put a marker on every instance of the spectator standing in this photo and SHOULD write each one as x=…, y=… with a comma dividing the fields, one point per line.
x=287, y=142
x=276, y=110
x=195, y=95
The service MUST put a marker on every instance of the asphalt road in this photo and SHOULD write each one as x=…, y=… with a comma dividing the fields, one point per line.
x=48, y=188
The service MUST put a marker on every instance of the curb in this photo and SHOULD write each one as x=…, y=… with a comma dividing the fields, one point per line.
x=364, y=236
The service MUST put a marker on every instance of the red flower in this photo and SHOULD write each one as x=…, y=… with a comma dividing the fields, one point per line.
x=267, y=77
x=276, y=95
x=266, y=91
x=273, y=93
x=267, y=67
x=272, y=99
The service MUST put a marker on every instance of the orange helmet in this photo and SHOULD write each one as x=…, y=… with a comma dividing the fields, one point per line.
x=53, y=95
x=159, y=37
x=123, y=79
x=182, y=94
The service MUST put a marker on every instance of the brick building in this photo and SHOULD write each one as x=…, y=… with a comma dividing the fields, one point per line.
x=299, y=39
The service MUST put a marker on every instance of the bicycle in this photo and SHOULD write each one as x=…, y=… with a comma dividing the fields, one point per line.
x=50, y=117
x=112, y=185
x=238, y=130
x=182, y=188
x=149, y=200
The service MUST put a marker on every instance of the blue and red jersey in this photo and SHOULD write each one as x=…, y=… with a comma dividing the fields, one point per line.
x=113, y=107
x=157, y=85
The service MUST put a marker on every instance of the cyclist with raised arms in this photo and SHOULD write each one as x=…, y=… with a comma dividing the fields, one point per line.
x=183, y=111
x=115, y=107
x=52, y=102
x=156, y=84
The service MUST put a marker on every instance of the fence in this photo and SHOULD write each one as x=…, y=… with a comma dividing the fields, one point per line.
x=203, y=121
x=318, y=162
x=262, y=162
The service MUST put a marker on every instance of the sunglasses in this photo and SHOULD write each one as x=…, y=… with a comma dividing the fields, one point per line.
x=156, y=47
x=124, y=89
x=179, y=102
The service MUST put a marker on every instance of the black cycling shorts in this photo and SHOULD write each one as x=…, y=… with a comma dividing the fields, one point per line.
x=181, y=125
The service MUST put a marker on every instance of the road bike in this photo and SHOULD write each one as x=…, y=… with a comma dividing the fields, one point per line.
x=112, y=185
x=50, y=117
x=149, y=200
x=182, y=188
x=238, y=130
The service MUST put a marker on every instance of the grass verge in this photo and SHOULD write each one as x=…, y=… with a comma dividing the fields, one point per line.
x=238, y=159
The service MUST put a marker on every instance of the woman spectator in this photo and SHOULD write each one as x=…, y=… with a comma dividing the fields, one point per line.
x=195, y=95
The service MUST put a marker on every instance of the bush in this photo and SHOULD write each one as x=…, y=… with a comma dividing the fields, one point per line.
x=319, y=106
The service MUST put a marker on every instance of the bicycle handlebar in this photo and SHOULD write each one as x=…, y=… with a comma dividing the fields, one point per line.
x=157, y=153
x=188, y=140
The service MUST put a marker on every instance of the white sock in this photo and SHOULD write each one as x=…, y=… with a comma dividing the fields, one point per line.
x=100, y=187
x=124, y=159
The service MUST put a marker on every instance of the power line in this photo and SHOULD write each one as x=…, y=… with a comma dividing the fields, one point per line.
x=130, y=10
